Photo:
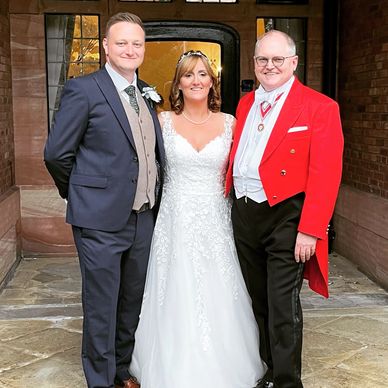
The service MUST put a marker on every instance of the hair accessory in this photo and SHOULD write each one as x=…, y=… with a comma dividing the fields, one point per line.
x=192, y=53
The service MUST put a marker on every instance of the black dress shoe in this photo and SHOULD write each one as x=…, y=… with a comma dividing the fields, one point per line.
x=264, y=383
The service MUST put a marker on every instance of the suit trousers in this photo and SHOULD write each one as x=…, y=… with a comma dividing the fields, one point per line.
x=265, y=241
x=113, y=270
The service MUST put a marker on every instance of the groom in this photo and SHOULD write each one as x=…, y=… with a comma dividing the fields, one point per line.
x=102, y=152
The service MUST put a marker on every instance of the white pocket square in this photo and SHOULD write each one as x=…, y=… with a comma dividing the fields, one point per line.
x=298, y=129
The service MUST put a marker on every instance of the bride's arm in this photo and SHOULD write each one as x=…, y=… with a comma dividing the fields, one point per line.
x=233, y=126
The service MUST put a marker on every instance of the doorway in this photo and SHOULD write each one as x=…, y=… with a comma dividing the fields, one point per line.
x=218, y=41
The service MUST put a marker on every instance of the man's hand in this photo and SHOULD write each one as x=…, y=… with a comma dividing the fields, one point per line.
x=304, y=247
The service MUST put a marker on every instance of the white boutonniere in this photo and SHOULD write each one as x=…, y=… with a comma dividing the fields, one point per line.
x=150, y=93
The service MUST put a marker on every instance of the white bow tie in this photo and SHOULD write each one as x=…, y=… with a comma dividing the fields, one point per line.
x=264, y=96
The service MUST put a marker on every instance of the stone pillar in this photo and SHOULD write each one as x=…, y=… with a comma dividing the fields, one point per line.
x=9, y=193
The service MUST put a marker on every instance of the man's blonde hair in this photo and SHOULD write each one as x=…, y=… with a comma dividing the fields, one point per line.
x=123, y=17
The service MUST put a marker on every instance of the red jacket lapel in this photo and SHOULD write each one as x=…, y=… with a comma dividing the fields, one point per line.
x=289, y=113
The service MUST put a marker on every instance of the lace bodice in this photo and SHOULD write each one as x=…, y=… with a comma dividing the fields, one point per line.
x=193, y=172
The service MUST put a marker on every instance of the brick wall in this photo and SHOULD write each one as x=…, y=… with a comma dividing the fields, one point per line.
x=363, y=94
x=10, y=234
x=360, y=217
x=7, y=156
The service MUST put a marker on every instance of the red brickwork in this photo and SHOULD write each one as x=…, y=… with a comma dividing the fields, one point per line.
x=7, y=154
x=363, y=94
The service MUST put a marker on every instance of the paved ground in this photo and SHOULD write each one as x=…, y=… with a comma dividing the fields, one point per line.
x=345, y=337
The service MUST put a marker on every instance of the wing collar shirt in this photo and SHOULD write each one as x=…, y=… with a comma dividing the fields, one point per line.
x=120, y=82
x=252, y=144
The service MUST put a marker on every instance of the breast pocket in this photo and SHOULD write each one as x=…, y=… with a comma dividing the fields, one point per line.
x=296, y=136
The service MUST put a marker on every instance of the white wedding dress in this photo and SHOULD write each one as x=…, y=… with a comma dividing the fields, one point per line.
x=196, y=328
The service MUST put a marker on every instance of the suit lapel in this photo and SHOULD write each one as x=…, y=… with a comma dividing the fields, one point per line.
x=287, y=117
x=158, y=132
x=112, y=97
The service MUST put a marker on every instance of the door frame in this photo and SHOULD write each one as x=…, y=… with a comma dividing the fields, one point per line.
x=225, y=36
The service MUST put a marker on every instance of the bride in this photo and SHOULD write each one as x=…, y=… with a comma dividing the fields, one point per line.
x=196, y=327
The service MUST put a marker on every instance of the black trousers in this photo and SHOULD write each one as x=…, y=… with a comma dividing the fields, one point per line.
x=113, y=269
x=265, y=240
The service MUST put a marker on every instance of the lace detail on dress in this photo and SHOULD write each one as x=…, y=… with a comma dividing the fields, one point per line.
x=194, y=210
x=197, y=322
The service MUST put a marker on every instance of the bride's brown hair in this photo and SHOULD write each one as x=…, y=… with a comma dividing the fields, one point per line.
x=186, y=63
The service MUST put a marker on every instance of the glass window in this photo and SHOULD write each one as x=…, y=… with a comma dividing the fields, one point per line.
x=149, y=1
x=72, y=50
x=282, y=1
x=296, y=28
x=211, y=1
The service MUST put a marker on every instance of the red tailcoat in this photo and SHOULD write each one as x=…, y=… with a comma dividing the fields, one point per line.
x=303, y=154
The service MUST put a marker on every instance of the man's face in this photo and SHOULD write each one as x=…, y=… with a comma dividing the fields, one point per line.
x=273, y=75
x=124, y=48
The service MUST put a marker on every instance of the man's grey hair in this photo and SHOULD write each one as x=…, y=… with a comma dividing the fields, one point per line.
x=290, y=42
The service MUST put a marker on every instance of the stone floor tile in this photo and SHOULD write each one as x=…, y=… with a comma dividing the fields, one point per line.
x=345, y=336
x=371, y=361
x=47, y=342
x=41, y=311
x=324, y=351
x=377, y=311
x=312, y=322
x=63, y=370
x=14, y=358
x=11, y=330
x=339, y=378
x=363, y=329
x=70, y=324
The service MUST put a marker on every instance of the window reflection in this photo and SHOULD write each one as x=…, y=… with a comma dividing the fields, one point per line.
x=72, y=50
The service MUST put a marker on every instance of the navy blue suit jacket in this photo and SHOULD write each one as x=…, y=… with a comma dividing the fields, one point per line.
x=91, y=155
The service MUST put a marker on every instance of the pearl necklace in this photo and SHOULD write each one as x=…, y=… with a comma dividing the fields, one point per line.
x=197, y=122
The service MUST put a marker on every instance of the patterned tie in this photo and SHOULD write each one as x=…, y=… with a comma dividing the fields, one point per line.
x=266, y=106
x=131, y=91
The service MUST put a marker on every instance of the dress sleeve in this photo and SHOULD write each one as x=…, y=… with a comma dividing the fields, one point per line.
x=230, y=123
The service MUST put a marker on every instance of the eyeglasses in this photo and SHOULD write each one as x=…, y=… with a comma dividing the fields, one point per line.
x=276, y=61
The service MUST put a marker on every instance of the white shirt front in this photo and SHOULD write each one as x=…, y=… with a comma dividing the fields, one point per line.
x=246, y=178
x=120, y=82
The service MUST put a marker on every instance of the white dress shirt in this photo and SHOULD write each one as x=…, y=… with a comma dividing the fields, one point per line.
x=252, y=143
x=120, y=82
